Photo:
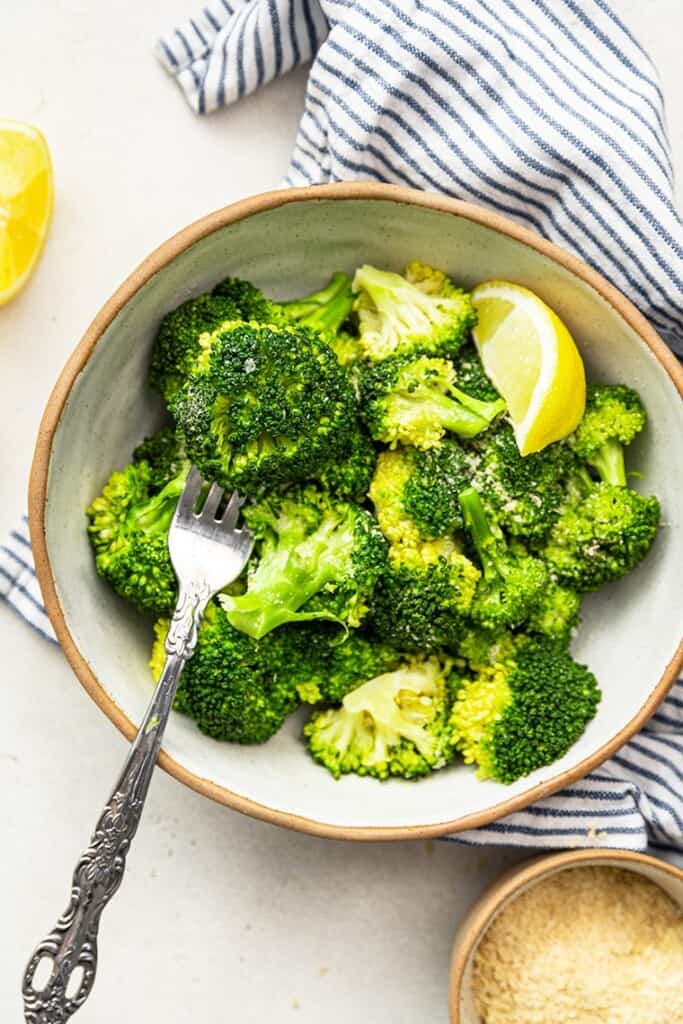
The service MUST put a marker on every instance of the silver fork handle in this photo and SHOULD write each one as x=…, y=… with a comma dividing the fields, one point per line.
x=72, y=943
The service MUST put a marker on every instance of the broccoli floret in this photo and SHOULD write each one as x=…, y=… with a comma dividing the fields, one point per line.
x=523, y=710
x=394, y=724
x=347, y=348
x=512, y=582
x=236, y=688
x=557, y=613
x=393, y=470
x=525, y=493
x=266, y=405
x=430, y=496
x=485, y=646
x=177, y=344
x=415, y=493
x=398, y=316
x=128, y=528
x=414, y=400
x=250, y=302
x=604, y=531
x=349, y=476
x=164, y=455
x=614, y=415
x=317, y=557
x=471, y=375
x=423, y=598
x=333, y=664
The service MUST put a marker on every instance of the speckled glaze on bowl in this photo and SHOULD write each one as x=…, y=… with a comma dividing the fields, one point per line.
x=518, y=880
x=289, y=242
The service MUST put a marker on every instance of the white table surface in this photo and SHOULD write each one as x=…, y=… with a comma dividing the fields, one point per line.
x=220, y=918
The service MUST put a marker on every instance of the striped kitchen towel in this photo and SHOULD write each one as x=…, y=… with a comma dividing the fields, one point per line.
x=547, y=110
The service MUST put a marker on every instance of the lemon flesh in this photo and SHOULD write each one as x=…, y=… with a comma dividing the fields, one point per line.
x=26, y=193
x=532, y=360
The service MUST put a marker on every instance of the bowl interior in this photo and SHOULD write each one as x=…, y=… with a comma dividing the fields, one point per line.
x=630, y=630
x=463, y=1009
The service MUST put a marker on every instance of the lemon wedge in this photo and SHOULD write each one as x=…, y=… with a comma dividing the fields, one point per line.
x=25, y=203
x=532, y=360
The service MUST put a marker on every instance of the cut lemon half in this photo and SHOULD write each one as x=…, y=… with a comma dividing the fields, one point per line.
x=533, y=361
x=25, y=203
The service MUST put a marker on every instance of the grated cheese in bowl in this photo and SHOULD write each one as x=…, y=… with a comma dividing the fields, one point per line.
x=588, y=945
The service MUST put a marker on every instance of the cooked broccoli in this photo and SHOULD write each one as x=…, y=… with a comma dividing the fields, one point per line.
x=164, y=455
x=525, y=493
x=430, y=495
x=415, y=493
x=471, y=375
x=421, y=313
x=326, y=310
x=512, y=582
x=604, y=531
x=394, y=724
x=349, y=476
x=318, y=557
x=423, y=598
x=236, y=688
x=129, y=525
x=557, y=613
x=393, y=470
x=480, y=646
x=250, y=302
x=347, y=348
x=414, y=400
x=522, y=710
x=177, y=345
x=266, y=405
x=333, y=663
x=614, y=415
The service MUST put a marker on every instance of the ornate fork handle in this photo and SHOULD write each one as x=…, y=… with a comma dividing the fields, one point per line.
x=72, y=943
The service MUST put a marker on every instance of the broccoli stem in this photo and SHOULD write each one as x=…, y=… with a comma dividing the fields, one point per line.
x=580, y=483
x=155, y=515
x=456, y=412
x=455, y=417
x=475, y=411
x=307, y=304
x=330, y=316
x=609, y=463
x=480, y=531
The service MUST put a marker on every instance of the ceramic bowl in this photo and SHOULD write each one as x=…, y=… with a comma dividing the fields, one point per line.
x=519, y=880
x=289, y=242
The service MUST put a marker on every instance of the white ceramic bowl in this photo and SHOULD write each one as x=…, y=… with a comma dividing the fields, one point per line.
x=289, y=242
x=522, y=878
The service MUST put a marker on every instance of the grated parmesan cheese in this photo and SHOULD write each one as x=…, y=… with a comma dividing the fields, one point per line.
x=590, y=945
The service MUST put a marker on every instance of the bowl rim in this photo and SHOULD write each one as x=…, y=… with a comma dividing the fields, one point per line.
x=511, y=883
x=38, y=484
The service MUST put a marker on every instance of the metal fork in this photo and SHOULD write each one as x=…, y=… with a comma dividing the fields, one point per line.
x=207, y=553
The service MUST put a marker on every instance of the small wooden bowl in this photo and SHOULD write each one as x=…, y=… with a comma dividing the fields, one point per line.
x=521, y=878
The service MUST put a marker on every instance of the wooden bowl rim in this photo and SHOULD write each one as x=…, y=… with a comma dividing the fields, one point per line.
x=511, y=883
x=164, y=254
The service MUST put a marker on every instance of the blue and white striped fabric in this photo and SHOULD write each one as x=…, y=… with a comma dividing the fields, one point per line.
x=547, y=110
x=18, y=582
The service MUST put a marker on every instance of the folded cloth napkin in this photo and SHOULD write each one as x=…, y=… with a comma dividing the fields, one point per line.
x=548, y=110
